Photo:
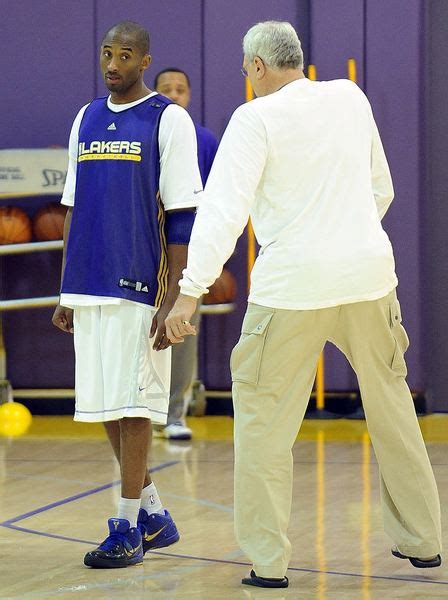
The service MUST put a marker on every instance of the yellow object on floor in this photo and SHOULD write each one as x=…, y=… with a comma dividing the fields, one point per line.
x=15, y=419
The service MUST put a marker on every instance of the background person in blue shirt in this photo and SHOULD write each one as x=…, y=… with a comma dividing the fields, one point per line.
x=175, y=84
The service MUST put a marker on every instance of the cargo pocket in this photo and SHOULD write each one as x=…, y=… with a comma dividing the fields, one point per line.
x=400, y=338
x=246, y=357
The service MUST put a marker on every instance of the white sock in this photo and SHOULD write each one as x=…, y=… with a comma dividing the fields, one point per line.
x=151, y=501
x=128, y=509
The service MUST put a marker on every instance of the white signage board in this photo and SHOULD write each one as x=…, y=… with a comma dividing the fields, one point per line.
x=32, y=172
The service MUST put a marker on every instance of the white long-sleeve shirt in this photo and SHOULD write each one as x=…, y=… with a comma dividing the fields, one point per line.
x=307, y=165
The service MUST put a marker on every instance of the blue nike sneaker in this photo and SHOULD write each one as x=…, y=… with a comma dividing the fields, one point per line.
x=121, y=548
x=158, y=531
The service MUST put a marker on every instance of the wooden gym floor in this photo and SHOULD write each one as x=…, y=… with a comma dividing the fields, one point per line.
x=59, y=484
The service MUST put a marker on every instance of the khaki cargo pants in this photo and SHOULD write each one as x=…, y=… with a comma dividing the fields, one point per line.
x=273, y=370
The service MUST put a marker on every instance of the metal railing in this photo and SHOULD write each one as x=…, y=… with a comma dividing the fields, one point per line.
x=47, y=301
x=31, y=247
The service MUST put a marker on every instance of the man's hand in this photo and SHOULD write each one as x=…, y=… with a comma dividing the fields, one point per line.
x=63, y=318
x=178, y=321
x=161, y=342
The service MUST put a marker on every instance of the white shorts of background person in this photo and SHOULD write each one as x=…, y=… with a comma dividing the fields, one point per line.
x=118, y=374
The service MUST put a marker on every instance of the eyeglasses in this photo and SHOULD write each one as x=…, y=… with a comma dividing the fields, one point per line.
x=244, y=72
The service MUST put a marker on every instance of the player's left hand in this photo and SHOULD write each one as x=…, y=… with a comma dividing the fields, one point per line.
x=178, y=321
x=161, y=341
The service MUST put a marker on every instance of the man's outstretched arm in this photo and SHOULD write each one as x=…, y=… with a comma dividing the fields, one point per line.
x=222, y=215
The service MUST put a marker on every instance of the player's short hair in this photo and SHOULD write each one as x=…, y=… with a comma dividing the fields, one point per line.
x=170, y=70
x=140, y=35
x=276, y=43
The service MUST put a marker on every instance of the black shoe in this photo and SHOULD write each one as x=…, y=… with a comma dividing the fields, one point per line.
x=418, y=562
x=121, y=548
x=266, y=582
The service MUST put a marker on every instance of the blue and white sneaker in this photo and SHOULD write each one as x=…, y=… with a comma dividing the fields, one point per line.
x=158, y=531
x=121, y=548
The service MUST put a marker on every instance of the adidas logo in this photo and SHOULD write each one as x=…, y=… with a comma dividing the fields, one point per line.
x=112, y=127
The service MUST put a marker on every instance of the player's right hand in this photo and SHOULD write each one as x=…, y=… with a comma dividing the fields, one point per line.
x=63, y=318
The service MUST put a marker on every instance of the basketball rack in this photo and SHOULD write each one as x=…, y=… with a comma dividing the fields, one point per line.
x=6, y=391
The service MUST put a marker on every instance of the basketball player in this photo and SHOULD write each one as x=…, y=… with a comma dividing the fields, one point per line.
x=132, y=185
x=175, y=84
x=305, y=161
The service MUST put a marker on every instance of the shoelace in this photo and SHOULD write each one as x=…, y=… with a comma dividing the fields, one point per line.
x=112, y=541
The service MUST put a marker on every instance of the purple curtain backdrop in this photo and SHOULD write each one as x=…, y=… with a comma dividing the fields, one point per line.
x=393, y=84
x=434, y=207
x=389, y=73
x=49, y=62
x=47, y=59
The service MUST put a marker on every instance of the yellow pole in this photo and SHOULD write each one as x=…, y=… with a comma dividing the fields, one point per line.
x=320, y=384
x=351, y=67
x=312, y=72
x=249, y=90
x=320, y=381
x=250, y=230
x=250, y=251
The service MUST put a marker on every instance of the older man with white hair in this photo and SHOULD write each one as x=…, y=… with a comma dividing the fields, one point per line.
x=305, y=162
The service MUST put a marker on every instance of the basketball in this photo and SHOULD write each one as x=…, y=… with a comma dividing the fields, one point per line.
x=15, y=419
x=15, y=225
x=48, y=222
x=223, y=290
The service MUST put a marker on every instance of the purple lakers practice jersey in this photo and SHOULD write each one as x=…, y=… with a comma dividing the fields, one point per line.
x=117, y=244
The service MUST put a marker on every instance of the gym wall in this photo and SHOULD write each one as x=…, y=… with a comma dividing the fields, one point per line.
x=50, y=70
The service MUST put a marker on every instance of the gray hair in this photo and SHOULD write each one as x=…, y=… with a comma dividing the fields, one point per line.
x=276, y=43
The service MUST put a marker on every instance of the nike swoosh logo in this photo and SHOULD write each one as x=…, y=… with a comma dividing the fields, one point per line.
x=141, y=389
x=197, y=191
x=150, y=536
x=131, y=553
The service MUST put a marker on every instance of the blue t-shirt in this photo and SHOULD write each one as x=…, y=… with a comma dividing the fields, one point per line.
x=117, y=245
x=207, y=146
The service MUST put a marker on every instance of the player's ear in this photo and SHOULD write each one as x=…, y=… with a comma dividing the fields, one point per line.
x=146, y=61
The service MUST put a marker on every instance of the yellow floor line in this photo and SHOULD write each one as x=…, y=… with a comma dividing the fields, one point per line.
x=434, y=428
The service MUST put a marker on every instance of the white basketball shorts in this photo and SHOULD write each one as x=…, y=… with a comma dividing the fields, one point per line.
x=118, y=374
